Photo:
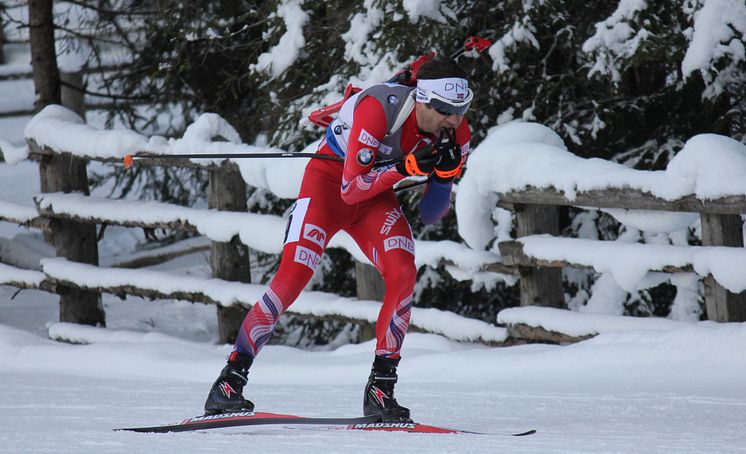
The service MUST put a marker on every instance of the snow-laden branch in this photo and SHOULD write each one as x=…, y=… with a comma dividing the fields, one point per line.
x=718, y=35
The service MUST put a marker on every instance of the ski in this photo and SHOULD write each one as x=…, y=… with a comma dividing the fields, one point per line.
x=414, y=427
x=246, y=418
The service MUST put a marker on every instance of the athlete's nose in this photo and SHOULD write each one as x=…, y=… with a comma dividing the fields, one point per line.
x=453, y=120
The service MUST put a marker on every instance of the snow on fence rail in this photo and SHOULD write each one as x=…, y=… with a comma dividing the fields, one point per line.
x=526, y=168
x=59, y=273
x=259, y=231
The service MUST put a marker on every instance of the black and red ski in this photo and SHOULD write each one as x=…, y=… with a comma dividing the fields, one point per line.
x=245, y=418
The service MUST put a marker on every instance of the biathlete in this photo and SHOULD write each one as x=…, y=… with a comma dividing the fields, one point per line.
x=423, y=130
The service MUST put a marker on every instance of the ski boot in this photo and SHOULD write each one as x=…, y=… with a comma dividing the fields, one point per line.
x=379, y=392
x=226, y=394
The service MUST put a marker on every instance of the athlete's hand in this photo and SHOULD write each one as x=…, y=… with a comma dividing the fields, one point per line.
x=448, y=160
x=421, y=162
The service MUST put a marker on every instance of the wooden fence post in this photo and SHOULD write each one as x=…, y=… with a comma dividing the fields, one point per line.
x=539, y=286
x=723, y=230
x=370, y=286
x=71, y=98
x=229, y=261
x=73, y=240
x=369, y=282
x=2, y=41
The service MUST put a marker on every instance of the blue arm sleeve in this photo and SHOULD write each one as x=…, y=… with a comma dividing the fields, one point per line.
x=435, y=202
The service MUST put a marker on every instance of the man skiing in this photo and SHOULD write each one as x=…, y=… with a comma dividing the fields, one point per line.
x=422, y=130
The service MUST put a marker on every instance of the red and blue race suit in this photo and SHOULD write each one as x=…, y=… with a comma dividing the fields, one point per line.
x=377, y=124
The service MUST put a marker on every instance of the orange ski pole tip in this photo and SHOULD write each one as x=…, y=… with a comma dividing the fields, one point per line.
x=128, y=161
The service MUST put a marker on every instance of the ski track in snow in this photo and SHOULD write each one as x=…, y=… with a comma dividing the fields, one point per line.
x=68, y=398
x=49, y=413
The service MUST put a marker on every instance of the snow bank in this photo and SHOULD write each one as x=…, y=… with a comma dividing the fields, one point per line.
x=580, y=324
x=84, y=334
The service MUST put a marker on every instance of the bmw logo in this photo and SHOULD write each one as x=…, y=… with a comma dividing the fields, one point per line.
x=364, y=156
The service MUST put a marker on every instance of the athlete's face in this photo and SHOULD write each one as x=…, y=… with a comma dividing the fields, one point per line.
x=431, y=121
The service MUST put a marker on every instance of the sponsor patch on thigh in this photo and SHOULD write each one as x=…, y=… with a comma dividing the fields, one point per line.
x=398, y=242
x=307, y=257
x=315, y=234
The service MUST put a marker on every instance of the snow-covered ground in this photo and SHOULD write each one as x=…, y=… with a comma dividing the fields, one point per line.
x=674, y=390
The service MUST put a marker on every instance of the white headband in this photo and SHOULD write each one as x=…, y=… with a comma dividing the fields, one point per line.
x=452, y=88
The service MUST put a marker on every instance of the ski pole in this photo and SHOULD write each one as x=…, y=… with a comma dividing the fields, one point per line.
x=129, y=159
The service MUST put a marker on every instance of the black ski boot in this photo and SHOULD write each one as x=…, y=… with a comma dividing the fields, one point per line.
x=226, y=394
x=379, y=392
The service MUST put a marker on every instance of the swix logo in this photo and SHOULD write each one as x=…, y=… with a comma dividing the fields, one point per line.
x=315, y=234
x=226, y=389
x=391, y=218
x=366, y=138
x=378, y=395
x=398, y=242
x=307, y=257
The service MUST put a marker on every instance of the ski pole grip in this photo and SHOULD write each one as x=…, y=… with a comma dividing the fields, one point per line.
x=128, y=161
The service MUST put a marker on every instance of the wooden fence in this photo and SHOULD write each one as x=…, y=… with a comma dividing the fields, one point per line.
x=536, y=212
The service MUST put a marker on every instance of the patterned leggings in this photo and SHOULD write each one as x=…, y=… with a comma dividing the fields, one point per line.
x=379, y=228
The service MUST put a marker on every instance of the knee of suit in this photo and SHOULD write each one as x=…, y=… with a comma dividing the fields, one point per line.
x=402, y=277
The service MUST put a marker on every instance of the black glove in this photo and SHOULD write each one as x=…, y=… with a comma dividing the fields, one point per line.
x=420, y=162
x=448, y=159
